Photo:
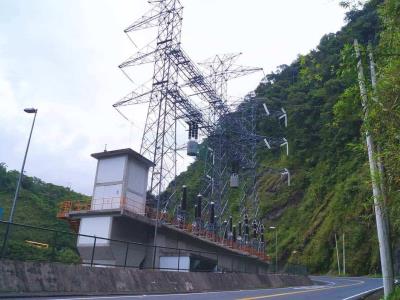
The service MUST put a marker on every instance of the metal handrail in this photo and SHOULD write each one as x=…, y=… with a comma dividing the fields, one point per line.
x=127, y=243
x=103, y=238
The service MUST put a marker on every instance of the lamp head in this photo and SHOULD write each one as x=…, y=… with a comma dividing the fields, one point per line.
x=30, y=110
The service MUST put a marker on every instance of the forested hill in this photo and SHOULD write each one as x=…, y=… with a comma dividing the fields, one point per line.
x=37, y=205
x=38, y=201
x=331, y=186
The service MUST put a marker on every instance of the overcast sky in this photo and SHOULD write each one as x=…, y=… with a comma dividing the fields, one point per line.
x=61, y=56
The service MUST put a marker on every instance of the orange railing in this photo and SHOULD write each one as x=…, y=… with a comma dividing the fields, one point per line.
x=67, y=206
x=101, y=204
x=211, y=236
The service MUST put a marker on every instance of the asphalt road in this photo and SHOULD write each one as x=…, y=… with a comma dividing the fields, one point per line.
x=327, y=288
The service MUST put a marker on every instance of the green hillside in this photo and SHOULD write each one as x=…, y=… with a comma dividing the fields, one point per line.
x=331, y=190
x=37, y=205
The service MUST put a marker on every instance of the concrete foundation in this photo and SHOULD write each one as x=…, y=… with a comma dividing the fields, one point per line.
x=126, y=226
x=33, y=278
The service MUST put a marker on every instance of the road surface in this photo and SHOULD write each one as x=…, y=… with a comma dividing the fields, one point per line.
x=327, y=288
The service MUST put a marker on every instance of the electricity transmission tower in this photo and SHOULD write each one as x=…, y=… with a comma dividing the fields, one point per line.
x=173, y=75
x=180, y=91
x=222, y=68
x=158, y=142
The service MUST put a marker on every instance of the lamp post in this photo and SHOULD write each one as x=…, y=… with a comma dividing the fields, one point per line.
x=276, y=247
x=11, y=217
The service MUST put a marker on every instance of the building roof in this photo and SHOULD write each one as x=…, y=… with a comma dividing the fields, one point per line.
x=126, y=151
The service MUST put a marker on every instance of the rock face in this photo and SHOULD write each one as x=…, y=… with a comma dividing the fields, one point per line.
x=34, y=278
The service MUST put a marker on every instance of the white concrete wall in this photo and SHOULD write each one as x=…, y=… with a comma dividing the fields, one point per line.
x=135, y=203
x=108, y=190
x=107, y=197
x=120, y=181
x=171, y=263
x=111, y=169
x=136, y=187
x=94, y=226
x=137, y=177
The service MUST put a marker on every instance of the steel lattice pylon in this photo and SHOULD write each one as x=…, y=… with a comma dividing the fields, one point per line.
x=159, y=137
x=173, y=73
x=180, y=91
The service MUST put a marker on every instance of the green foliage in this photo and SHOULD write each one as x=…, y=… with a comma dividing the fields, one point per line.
x=37, y=205
x=68, y=256
x=20, y=250
x=385, y=110
x=395, y=295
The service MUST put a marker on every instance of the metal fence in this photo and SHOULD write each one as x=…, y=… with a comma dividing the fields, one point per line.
x=32, y=243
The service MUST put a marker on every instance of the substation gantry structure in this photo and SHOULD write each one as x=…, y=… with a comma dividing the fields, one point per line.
x=236, y=148
x=252, y=109
x=181, y=92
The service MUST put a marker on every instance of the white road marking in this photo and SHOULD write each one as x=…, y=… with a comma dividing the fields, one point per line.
x=313, y=287
x=358, y=282
x=310, y=288
x=166, y=295
x=316, y=286
x=363, y=293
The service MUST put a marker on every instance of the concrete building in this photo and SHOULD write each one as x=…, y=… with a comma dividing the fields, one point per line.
x=124, y=232
x=121, y=181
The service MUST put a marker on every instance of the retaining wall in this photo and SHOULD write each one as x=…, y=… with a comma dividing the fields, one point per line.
x=34, y=278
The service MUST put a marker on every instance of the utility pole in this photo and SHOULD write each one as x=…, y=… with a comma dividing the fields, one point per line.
x=344, y=257
x=381, y=222
x=276, y=247
x=337, y=255
x=276, y=250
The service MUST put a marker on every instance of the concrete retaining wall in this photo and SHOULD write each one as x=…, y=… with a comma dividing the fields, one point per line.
x=19, y=278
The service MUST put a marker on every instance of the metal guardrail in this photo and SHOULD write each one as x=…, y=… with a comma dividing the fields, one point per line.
x=61, y=247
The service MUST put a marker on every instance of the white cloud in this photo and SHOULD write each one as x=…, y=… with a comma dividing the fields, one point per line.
x=9, y=104
x=62, y=57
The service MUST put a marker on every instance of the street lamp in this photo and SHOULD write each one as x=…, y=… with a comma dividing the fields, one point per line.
x=10, y=219
x=276, y=247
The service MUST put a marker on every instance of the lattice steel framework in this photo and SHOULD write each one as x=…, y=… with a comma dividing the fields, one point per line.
x=252, y=109
x=181, y=91
x=221, y=143
x=168, y=100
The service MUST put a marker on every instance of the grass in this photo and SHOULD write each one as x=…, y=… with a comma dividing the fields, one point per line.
x=395, y=295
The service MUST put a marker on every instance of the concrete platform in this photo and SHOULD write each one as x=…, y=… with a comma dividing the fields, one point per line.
x=128, y=226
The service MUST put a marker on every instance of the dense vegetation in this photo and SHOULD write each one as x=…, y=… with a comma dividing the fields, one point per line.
x=395, y=295
x=331, y=190
x=37, y=205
